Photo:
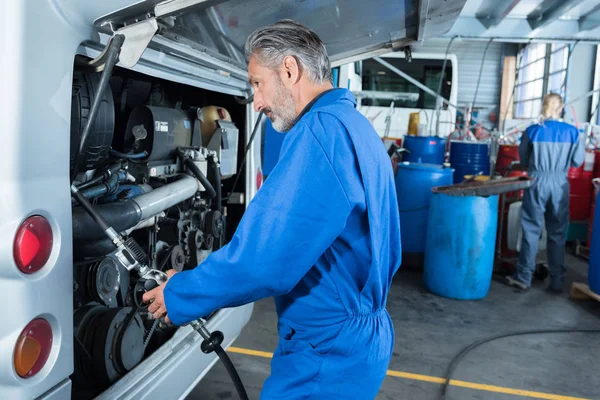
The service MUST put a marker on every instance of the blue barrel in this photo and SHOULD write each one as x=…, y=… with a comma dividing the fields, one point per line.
x=424, y=149
x=469, y=158
x=413, y=188
x=594, y=264
x=459, y=252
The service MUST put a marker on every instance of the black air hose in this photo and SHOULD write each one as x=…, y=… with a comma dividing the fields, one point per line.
x=189, y=163
x=214, y=175
x=463, y=352
x=112, y=57
x=235, y=377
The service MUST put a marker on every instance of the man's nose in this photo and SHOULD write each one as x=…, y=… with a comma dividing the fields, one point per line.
x=258, y=102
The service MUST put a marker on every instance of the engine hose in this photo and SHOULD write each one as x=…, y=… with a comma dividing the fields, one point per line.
x=109, y=187
x=188, y=162
x=87, y=206
x=134, y=156
x=103, y=175
x=456, y=360
x=235, y=377
x=112, y=57
x=215, y=177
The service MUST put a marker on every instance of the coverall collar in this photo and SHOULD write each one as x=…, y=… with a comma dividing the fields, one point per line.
x=327, y=97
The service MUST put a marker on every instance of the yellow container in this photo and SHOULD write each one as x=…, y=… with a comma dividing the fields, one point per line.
x=480, y=178
x=413, y=124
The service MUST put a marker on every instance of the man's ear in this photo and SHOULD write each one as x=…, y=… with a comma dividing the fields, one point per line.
x=290, y=71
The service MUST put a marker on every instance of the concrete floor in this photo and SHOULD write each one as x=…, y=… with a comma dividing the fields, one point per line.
x=430, y=330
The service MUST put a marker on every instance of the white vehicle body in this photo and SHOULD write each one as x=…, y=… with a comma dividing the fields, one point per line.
x=397, y=116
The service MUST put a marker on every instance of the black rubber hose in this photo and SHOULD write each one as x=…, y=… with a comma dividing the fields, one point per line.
x=91, y=182
x=237, y=381
x=112, y=57
x=214, y=175
x=108, y=187
x=188, y=162
x=456, y=360
x=121, y=216
x=87, y=206
x=103, y=175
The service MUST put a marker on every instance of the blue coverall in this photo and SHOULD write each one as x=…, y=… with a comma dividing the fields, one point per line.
x=548, y=150
x=322, y=235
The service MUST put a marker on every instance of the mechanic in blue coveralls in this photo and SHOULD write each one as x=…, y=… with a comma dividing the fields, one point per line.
x=548, y=149
x=322, y=235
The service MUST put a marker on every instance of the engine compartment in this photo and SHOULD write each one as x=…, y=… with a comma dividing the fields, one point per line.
x=157, y=161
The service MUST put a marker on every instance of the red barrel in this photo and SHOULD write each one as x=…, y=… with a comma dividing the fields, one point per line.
x=507, y=153
x=597, y=164
x=580, y=193
x=592, y=206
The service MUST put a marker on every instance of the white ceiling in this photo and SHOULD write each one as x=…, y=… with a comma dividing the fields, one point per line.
x=530, y=19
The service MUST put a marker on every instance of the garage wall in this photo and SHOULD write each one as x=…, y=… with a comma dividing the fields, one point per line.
x=469, y=54
x=580, y=81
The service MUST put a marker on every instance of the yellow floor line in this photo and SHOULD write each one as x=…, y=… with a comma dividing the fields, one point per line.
x=434, y=379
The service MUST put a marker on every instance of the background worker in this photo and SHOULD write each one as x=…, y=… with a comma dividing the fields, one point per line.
x=548, y=149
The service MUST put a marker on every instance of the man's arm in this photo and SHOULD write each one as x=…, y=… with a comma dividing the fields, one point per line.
x=296, y=215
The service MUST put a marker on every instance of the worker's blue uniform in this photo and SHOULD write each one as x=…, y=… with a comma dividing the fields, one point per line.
x=322, y=235
x=548, y=150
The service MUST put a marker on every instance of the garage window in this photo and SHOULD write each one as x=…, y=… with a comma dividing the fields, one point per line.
x=530, y=81
x=542, y=70
x=557, y=70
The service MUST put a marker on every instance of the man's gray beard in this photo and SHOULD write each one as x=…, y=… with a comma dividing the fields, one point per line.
x=284, y=109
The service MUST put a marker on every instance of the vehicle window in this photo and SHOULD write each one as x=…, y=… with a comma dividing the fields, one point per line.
x=377, y=78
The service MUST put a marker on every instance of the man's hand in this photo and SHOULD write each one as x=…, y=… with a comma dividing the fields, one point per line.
x=156, y=296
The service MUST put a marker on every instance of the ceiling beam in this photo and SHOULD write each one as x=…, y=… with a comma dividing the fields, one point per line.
x=500, y=12
x=591, y=20
x=518, y=29
x=549, y=16
x=422, y=18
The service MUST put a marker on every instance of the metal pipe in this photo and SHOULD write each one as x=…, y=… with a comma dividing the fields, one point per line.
x=517, y=39
x=588, y=94
x=412, y=80
x=438, y=104
x=126, y=214
x=167, y=196
x=145, y=224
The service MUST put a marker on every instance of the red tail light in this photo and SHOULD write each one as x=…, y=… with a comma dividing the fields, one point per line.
x=33, y=348
x=33, y=244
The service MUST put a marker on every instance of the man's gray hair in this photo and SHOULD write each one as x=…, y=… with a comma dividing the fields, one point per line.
x=270, y=44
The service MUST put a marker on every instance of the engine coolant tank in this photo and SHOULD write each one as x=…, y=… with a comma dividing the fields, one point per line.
x=413, y=188
x=158, y=131
x=424, y=149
